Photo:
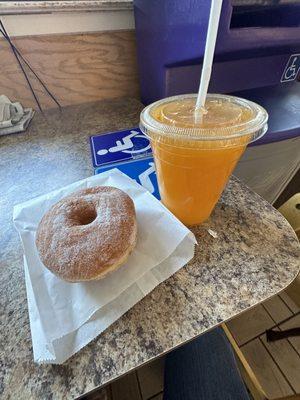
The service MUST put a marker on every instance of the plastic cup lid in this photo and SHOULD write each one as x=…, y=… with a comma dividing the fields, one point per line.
x=224, y=117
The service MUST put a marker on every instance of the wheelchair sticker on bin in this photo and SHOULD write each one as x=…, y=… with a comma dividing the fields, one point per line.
x=119, y=146
x=143, y=171
x=291, y=69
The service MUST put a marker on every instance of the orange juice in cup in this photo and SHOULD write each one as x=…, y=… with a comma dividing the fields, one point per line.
x=196, y=154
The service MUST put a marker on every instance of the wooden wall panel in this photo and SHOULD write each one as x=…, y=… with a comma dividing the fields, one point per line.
x=77, y=68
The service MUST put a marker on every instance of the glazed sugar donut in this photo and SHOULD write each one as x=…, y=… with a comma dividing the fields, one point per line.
x=88, y=234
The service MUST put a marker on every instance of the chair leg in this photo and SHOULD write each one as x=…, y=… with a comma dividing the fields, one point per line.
x=248, y=375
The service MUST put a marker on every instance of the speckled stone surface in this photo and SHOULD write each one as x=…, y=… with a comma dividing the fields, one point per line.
x=255, y=255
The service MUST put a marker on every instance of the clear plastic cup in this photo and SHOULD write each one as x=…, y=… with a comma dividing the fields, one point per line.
x=195, y=156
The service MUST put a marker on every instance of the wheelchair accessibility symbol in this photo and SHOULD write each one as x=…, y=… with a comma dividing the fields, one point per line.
x=143, y=171
x=145, y=180
x=291, y=69
x=126, y=145
x=119, y=146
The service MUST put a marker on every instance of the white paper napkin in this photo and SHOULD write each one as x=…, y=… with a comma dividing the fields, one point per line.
x=64, y=316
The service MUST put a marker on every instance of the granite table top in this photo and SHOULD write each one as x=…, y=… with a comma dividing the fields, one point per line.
x=254, y=256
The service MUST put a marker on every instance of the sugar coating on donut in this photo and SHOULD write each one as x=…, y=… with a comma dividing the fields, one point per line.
x=87, y=234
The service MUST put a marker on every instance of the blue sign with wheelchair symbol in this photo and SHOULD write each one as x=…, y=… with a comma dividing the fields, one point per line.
x=119, y=146
x=143, y=171
x=292, y=68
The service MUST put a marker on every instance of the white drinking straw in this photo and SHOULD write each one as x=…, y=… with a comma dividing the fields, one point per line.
x=213, y=24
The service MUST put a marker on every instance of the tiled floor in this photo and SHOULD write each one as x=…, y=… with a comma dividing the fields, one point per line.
x=276, y=365
x=144, y=384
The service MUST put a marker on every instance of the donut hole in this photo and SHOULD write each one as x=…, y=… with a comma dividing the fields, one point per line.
x=81, y=214
x=86, y=217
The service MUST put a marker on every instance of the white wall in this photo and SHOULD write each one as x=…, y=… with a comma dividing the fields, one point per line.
x=68, y=22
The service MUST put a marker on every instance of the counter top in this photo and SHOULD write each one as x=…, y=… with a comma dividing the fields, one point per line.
x=8, y=7
x=254, y=256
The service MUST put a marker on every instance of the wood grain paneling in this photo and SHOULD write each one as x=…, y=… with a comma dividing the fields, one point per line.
x=77, y=68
